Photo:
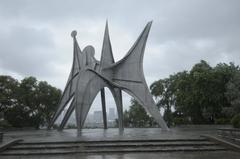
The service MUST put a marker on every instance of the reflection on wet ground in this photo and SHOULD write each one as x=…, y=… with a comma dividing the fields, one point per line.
x=112, y=134
x=186, y=132
x=151, y=155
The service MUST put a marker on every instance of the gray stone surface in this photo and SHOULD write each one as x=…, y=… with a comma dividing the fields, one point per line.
x=186, y=132
x=182, y=142
x=89, y=76
x=137, y=155
x=172, y=155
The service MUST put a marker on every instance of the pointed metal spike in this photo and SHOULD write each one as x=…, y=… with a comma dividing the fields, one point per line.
x=107, y=55
x=106, y=33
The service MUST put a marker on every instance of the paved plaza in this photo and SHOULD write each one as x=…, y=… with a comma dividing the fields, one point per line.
x=113, y=134
x=172, y=155
x=185, y=132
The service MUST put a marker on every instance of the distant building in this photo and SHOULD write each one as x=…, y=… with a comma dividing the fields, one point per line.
x=97, y=116
x=111, y=114
x=89, y=118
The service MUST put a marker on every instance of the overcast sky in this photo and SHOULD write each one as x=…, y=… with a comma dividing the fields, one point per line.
x=35, y=35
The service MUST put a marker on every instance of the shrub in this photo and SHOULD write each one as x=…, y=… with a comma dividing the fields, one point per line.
x=4, y=124
x=71, y=126
x=236, y=121
x=222, y=121
x=55, y=126
x=181, y=121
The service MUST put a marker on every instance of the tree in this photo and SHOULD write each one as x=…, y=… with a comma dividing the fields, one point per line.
x=183, y=87
x=137, y=116
x=163, y=91
x=40, y=99
x=9, y=104
x=8, y=97
x=29, y=103
x=204, y=94
x=47, y=100
x=200, y=93
x=201, y=79
x=233, y=94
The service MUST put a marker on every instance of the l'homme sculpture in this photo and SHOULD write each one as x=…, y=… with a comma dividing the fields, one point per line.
x=89, y=76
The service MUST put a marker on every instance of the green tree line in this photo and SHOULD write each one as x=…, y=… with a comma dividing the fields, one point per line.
x=28, y=103
x=203, y=95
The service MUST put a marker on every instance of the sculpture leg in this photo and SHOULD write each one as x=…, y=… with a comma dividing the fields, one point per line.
x=88, y=87
x=59, y=111
x=144, y=97
x=104, y=108
x=67, y=115
x=117, y=95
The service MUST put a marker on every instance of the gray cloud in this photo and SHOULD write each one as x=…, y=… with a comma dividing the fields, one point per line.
x=27, y=51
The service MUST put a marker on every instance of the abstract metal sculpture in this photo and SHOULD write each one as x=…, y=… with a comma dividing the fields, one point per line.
x=89, y=76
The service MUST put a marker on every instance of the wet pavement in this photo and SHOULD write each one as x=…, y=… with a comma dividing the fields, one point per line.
x=151, y=155
x=186, y=132
x=110, y=134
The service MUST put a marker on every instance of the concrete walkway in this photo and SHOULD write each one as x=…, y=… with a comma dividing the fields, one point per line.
x=110, y=134
x=186, y=132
